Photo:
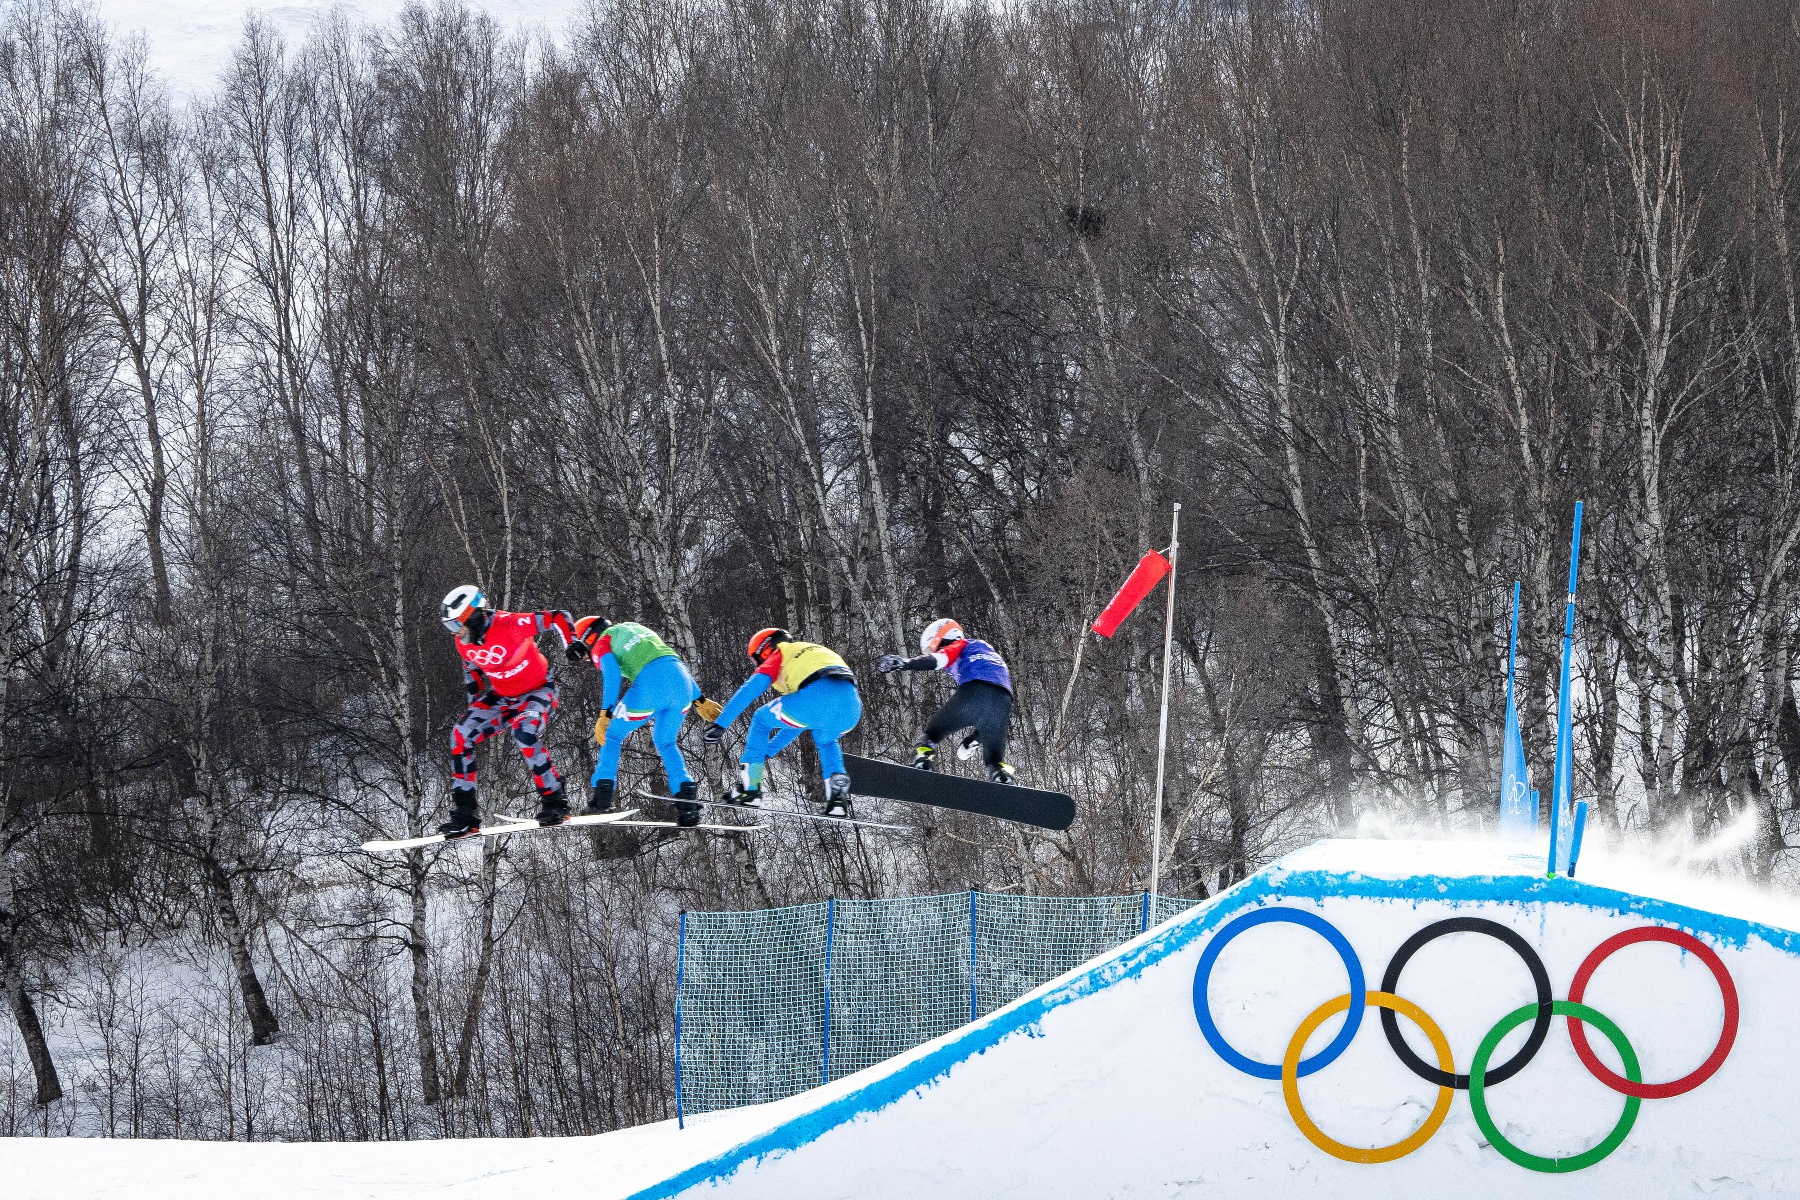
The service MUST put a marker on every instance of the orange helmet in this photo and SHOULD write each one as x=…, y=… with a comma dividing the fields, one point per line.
x=588, y=628
x=765, y=640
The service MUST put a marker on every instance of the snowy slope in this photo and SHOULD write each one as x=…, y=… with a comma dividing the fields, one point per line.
x=1101, y=1083
x=190, y=41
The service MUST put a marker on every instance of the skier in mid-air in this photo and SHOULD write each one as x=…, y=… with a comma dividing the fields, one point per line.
x=817, y=695
x=982, y=699
x=507, y=681
x=658, y=688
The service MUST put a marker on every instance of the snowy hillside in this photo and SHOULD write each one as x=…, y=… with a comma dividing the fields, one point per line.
x=189, y=41
x=1103, y=1084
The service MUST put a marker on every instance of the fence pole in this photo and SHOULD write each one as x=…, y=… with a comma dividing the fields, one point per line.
x=680, y=978
x=971, y=954
x=830, y=924
x=1144, y=921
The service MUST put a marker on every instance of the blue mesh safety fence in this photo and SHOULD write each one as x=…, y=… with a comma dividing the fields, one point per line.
x=751, y=1014
x=775, y=1001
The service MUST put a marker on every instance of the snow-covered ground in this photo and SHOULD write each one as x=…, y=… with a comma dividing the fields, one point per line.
x=1101, y=1083
x=190, y=41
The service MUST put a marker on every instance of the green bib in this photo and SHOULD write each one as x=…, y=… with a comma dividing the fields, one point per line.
x=635, y=647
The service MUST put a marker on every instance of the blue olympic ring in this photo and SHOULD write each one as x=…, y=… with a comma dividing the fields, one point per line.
x=1326, y=930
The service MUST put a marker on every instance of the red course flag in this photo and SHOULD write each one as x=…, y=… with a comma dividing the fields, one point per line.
x=1146, y=575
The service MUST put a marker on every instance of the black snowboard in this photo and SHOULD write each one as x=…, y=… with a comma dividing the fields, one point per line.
x=1008, y=801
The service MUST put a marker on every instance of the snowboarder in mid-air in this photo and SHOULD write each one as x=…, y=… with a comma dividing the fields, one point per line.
x=817, y=695
x=508, y=681
x=657, y=687
x=982, y=700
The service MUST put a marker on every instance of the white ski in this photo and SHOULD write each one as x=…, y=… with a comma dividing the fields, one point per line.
x=703, y=828
x=788, y=812
x=502, y=823
x=618, y=819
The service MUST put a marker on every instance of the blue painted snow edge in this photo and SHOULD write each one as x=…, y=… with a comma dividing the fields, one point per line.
x=1130, y=960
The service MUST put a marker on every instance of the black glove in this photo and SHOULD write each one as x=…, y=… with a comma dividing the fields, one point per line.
x=578, y=652
x=715, y=733
x=889, y=662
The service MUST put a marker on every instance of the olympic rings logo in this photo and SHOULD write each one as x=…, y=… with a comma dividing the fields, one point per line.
x=485, y=656
x=1481, y=1074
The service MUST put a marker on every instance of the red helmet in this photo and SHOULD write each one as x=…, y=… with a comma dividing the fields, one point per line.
x=587, y=629
x=763, y=641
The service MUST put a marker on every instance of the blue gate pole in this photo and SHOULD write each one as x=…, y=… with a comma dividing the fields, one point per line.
x=830, y=922
x=680, y=969
x=971, y=954
x=1581, y=812
x=1144, y=920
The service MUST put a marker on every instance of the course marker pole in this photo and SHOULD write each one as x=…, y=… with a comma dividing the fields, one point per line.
x=1581, y=812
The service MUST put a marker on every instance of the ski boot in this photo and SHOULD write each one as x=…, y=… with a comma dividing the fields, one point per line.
x=925, y=756
x=687, y=812
x=1002, y=774
x=741, y=791
x=465, y=815
x=971, y=746
x=553, y=807
x=837, y=795
x=601, y=799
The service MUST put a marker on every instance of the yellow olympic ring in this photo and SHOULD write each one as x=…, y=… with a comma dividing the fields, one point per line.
x=1290, y=1080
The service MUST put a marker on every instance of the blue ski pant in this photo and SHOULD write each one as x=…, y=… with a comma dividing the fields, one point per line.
x=827, y=708
x=661, y=694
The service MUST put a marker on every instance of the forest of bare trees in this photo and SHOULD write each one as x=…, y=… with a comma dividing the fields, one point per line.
x=842, y=315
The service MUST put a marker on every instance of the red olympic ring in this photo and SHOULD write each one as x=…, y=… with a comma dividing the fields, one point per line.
x=1727, y=992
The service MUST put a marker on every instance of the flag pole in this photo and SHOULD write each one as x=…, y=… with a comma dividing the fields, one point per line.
x=1561, y=780
x=1162, y=732
x=1512, y=646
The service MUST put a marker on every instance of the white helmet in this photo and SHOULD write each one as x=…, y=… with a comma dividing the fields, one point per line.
x=463, y=599
x=944, y=629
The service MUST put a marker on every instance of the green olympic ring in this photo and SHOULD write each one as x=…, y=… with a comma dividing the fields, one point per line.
x=1478, y=1088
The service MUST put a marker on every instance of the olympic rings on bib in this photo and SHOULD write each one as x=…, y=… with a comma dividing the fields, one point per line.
x=1540, y=1013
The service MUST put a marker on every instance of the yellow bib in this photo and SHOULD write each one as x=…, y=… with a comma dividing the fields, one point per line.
x=799, y=660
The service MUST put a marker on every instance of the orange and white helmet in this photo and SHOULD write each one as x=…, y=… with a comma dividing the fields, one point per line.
x=459, y=605
x=944, y=629
x=763, y=641
x=587, y=629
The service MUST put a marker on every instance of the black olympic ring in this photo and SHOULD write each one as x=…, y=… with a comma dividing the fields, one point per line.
x=1540, y=978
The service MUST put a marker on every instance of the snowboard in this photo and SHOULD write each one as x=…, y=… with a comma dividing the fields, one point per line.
x=1007, y=801
x=501, y=823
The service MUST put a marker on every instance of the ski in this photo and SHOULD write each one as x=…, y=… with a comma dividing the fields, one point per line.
x=701, y=828
x=1007, y=801
x=788, y=812
x=618, y=819
x=504, y=823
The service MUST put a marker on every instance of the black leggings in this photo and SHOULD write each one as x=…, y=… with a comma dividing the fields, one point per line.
x=984, y=706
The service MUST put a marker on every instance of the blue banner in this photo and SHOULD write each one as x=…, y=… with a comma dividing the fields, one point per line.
x=1562, y=781
x=1518, y=803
